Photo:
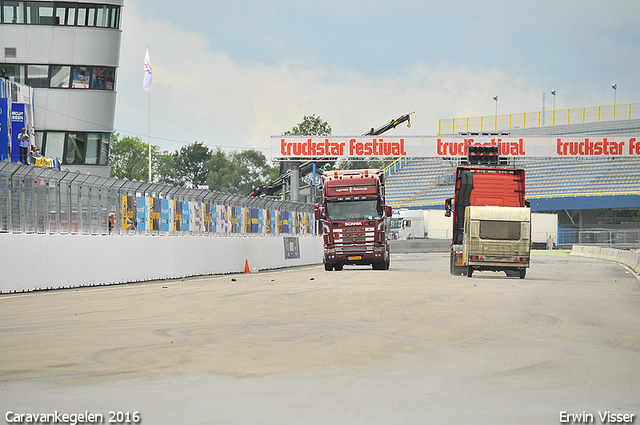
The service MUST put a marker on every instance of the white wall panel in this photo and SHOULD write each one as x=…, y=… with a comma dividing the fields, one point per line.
x=90, y=110
x=30, y=261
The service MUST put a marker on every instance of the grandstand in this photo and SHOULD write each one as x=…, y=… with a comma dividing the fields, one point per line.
x=552, y=183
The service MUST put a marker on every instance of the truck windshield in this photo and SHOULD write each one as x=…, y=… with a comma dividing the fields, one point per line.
x=500, y=230
x=353, y=210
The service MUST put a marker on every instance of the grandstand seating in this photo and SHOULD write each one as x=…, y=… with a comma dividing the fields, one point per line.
x=427, y=182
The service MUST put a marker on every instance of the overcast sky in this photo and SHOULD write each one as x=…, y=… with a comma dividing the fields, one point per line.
x=233, y=73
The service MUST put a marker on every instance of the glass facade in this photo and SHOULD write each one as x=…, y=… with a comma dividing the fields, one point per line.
x=75, y=148
x=61, y=76
x=60, y=13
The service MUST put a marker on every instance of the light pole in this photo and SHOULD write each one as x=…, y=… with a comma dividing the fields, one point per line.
x=496, y=119
x=615, y=90
x=553, y=114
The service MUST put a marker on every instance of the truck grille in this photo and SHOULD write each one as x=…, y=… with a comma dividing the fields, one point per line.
x=354, y=235
x=346, y=249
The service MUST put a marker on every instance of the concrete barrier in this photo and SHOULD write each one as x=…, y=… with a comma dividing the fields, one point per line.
x=629, y=258
x=31, y=262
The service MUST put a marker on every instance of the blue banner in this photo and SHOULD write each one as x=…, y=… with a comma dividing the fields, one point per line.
x=185, y=216
x=4, y=129
x=141, y=214
x=164, y=215
x=18, y=118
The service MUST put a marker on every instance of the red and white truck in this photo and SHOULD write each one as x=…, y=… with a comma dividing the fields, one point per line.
x=491, y=217
x=353, y=215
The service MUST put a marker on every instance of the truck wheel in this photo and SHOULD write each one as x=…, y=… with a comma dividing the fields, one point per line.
x=469, y=271
x=338, y=267
x=523, y=273
x=328, y=267
x=382, y=265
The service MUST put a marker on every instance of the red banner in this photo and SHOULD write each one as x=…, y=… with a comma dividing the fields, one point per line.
x=444, y=147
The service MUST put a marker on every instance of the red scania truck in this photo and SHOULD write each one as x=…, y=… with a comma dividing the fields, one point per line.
x=353, y=216
x=491, y=218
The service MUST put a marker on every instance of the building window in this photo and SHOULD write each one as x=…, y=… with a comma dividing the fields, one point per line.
x=81, y=77
x=93, y=148
x=84, y=77
x=60, y=76
x=99, y=80
x=75, y=148
x=39, y=141
x=39, y=13
x=71, y=15
x=61, y=15
x=50, y=13
x=102, y=16
x=115, y=17
x=54, y=144
x=104, y=149
x=38, y=75
x=15, y=73
x=13, y=12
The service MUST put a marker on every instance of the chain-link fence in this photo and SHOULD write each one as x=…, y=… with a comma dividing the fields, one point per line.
x=45, y=200
x=611, y=238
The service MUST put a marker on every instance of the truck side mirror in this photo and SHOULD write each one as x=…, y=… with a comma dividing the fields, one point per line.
x=316, y=212
x=388, y=211
x=447, y=207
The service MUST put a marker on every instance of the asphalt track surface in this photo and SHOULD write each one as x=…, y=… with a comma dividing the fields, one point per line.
x=411, y=345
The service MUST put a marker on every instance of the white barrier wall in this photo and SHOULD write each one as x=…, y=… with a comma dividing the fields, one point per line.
x=629, y=258
x=31, y=261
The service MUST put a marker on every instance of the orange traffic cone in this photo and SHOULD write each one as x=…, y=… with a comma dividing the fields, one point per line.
x=246, y=266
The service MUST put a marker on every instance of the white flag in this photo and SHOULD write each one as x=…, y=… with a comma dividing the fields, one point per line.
x=148, y=74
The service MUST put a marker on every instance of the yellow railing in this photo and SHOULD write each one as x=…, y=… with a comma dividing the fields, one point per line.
x=394, y=166
x=539, y=118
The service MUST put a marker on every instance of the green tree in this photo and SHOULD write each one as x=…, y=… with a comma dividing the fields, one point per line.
x=310, y=126
x=238, y=172
x=129, y=158
x=189, y=166
x=221, y=172
x=253, y=170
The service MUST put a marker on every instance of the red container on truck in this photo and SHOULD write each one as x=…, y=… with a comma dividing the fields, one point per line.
x=353, y=216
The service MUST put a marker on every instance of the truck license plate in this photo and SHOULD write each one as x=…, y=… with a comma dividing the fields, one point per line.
x=355, y=257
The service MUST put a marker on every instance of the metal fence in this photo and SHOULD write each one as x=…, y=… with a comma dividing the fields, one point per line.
x=610, y=238
x=45, y=200
x=553, y=117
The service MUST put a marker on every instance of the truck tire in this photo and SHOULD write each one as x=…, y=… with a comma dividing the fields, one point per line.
x=328, y=267
x=469, y=271
x=338, y=267
x=382, y=265
x=523, y=273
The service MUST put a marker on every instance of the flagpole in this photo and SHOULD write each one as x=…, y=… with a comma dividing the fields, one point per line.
x=146, y=85
x=149, y=129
